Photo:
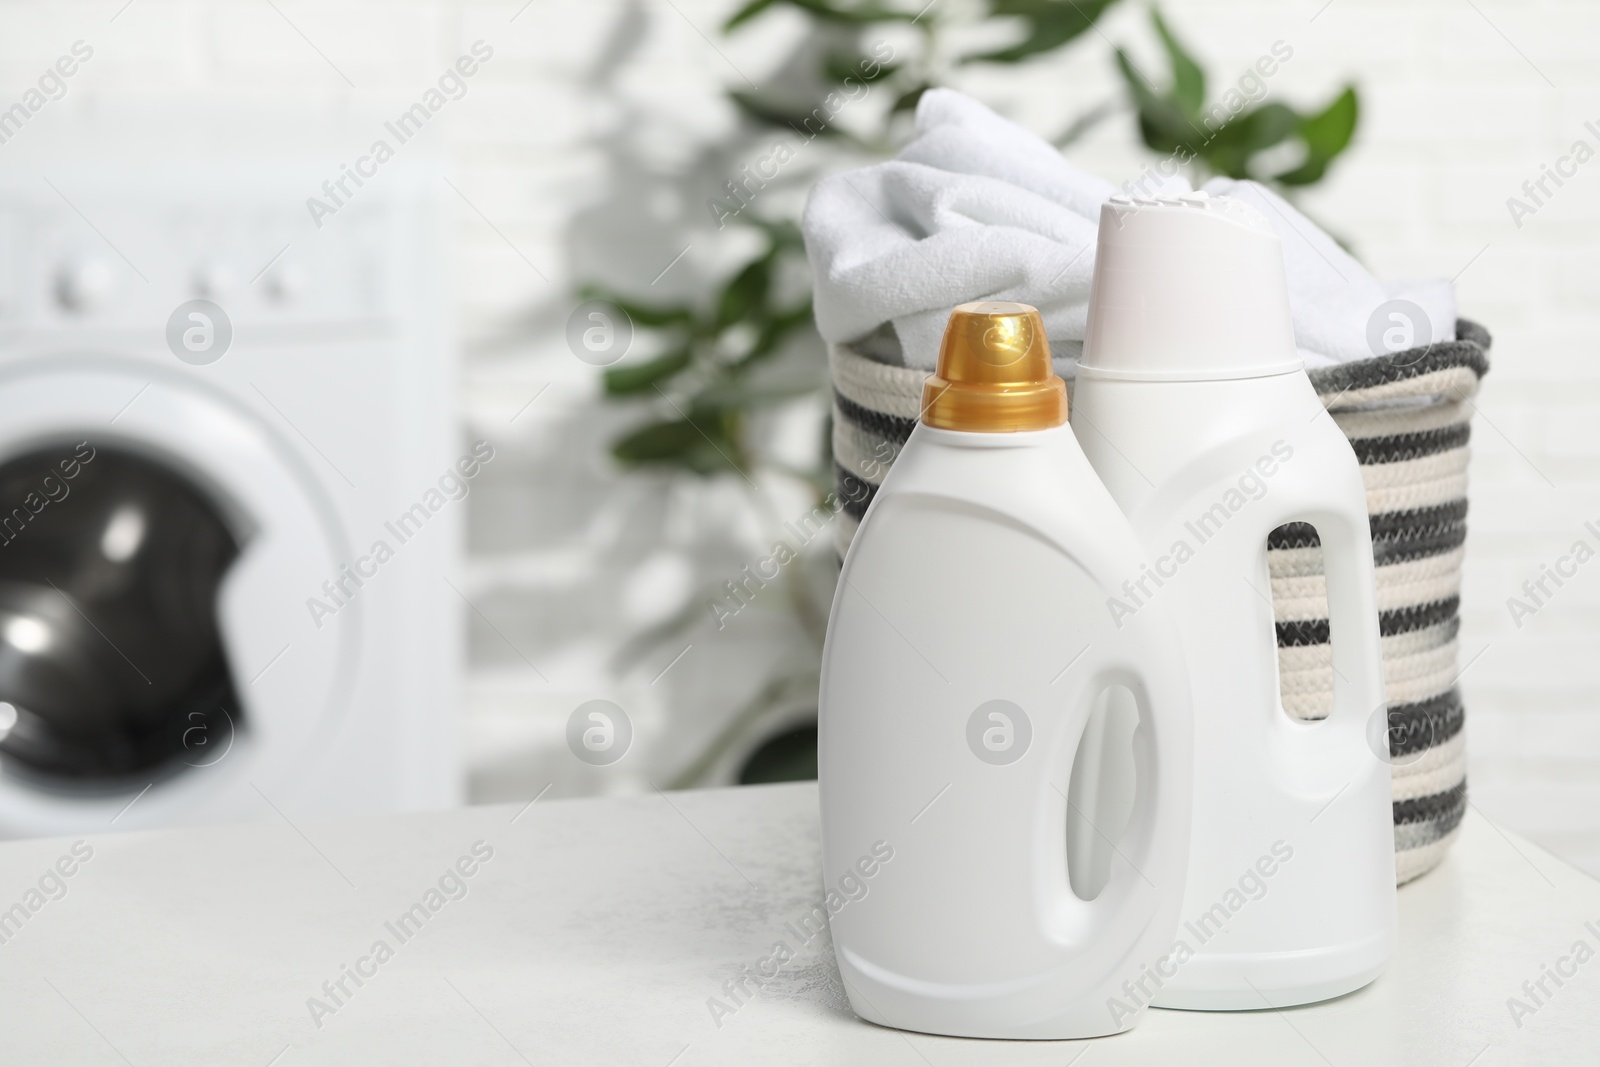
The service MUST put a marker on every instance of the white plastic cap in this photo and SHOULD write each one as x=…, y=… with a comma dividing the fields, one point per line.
x=1187, y=288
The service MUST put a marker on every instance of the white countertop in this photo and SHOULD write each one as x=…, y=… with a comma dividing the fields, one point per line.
x=599, y=929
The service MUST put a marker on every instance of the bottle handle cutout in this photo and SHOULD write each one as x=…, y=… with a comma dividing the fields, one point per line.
x=1355, y=654
x=1352, y=615
x=1151, y=847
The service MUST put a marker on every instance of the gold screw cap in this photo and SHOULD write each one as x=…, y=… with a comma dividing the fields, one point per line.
x=994, y=373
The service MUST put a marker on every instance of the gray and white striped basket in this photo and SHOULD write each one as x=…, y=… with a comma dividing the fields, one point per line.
x=1408, y=417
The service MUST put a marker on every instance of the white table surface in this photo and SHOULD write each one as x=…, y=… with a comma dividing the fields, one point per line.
x=599, y=929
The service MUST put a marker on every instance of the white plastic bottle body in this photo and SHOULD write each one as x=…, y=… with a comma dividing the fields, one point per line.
x=968, y=639
x=1290, y=894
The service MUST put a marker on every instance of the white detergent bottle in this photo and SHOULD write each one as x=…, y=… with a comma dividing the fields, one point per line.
x=1193, y=407
x=968, y=643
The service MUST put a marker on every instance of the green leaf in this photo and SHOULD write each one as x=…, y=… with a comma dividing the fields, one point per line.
x=841, y=65
x=1162, y=124
x=746, y=292
x=1143, y=93
x=745, y=14
x=1326, y=134
x=641, y=314
x=1188, y=80
x=735, y=395
x=1165, y=129
x=1311, y=171
x=1050, y=24
x=701, y=447
x=1231, y=148
x=1262, y=127
x=799, y=315
x=657, y=442
x=856, y=15
x=783, y=233
x=790, y=117
x=907, y=101
x=774, y=330
x=637, y=377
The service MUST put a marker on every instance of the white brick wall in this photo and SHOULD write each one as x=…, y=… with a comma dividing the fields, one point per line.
x=1454, y=120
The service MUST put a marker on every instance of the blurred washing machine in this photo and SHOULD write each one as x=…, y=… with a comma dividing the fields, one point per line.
x=214, y=408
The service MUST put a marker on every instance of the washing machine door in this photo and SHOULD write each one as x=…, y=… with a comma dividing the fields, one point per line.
x=109, y=647
x=158, y=544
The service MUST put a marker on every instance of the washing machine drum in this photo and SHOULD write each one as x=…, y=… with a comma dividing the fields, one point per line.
x=110, y=653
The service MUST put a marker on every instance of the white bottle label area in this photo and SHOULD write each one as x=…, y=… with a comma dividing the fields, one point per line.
x=989, y=713
x=966, y=653
x=1206, y=471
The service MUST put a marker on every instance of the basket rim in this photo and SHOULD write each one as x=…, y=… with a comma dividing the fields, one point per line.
x=1469, y=351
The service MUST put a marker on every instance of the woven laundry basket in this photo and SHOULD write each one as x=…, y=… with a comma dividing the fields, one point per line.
x=1408, y=417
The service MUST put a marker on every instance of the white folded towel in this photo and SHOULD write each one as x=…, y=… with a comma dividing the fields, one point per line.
x=977, y=208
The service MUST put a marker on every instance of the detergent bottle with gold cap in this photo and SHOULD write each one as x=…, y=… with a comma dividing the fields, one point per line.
x=967, y=648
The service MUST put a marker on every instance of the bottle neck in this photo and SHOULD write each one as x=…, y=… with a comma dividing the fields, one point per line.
x=1294, y=366
x=972, y=439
